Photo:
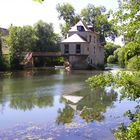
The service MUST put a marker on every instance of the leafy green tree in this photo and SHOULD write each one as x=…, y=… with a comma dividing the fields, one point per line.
x=125, y=53
x=47, y=40
x=67, y=13
x=109, y=49
x=20, y=40
x=99, y=17
x=111, y=59
x=127, y=19
x=134, y=63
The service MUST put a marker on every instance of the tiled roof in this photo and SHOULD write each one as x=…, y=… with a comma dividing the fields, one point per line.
x=75, y=38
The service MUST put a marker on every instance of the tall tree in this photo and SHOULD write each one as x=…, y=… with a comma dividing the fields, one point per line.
x=99, y=17
x=20, y=40
x=67, y=13
x=47, y=40
x=127, y=19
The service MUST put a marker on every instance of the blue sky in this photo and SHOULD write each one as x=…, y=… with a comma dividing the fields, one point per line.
x=27, y=12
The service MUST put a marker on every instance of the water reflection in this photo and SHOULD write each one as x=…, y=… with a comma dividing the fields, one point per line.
x=50, y=98
x=90, y=106
x=30, y=89
x=29, y=102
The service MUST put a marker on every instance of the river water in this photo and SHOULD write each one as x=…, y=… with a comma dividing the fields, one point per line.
x=49, y=104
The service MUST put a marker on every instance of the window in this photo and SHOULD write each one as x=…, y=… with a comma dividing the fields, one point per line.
x=80, y=28
x=78, y=48
x=66, y=48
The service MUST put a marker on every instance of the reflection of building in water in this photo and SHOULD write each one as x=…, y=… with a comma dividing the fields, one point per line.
x=90, y=106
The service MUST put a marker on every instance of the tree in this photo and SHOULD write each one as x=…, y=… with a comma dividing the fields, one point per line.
x=127, y=19
x=134, y=63
x=20, y=40
x=127, y=52
x=99, y=17
x=47, y=40
x=67, y=13
x=109, y=49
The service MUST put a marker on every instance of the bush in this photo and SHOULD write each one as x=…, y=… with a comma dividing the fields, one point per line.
x=4, y=65
x=134, y=63
x=111, y=59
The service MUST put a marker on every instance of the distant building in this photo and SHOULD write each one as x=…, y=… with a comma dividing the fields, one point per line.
x=4, y=32
x=82, y=47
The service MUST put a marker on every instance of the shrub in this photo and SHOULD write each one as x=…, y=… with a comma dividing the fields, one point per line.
x=134, y=63
x=111, y=59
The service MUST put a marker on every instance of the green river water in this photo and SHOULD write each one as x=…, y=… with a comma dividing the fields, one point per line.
x=49, y=104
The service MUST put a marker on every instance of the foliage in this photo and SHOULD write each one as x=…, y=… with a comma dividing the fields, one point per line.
x=132, y=131
x=111, y=59
x=99, y=17
x=91, y=14
x=109, y=49
x=129, y=85
x=67, y=13
x=38, y=38
x=129, y=82
x=20, y=39
x=134, y=63
x=130, y=50
x=47, y=40
x=127, y=19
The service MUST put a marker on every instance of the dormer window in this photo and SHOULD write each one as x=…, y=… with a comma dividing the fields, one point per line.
x=80, y=28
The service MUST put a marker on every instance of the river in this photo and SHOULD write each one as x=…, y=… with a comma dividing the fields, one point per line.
x=49, y=104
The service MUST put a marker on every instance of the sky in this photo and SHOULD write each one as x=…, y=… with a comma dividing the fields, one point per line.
x=28, y=12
